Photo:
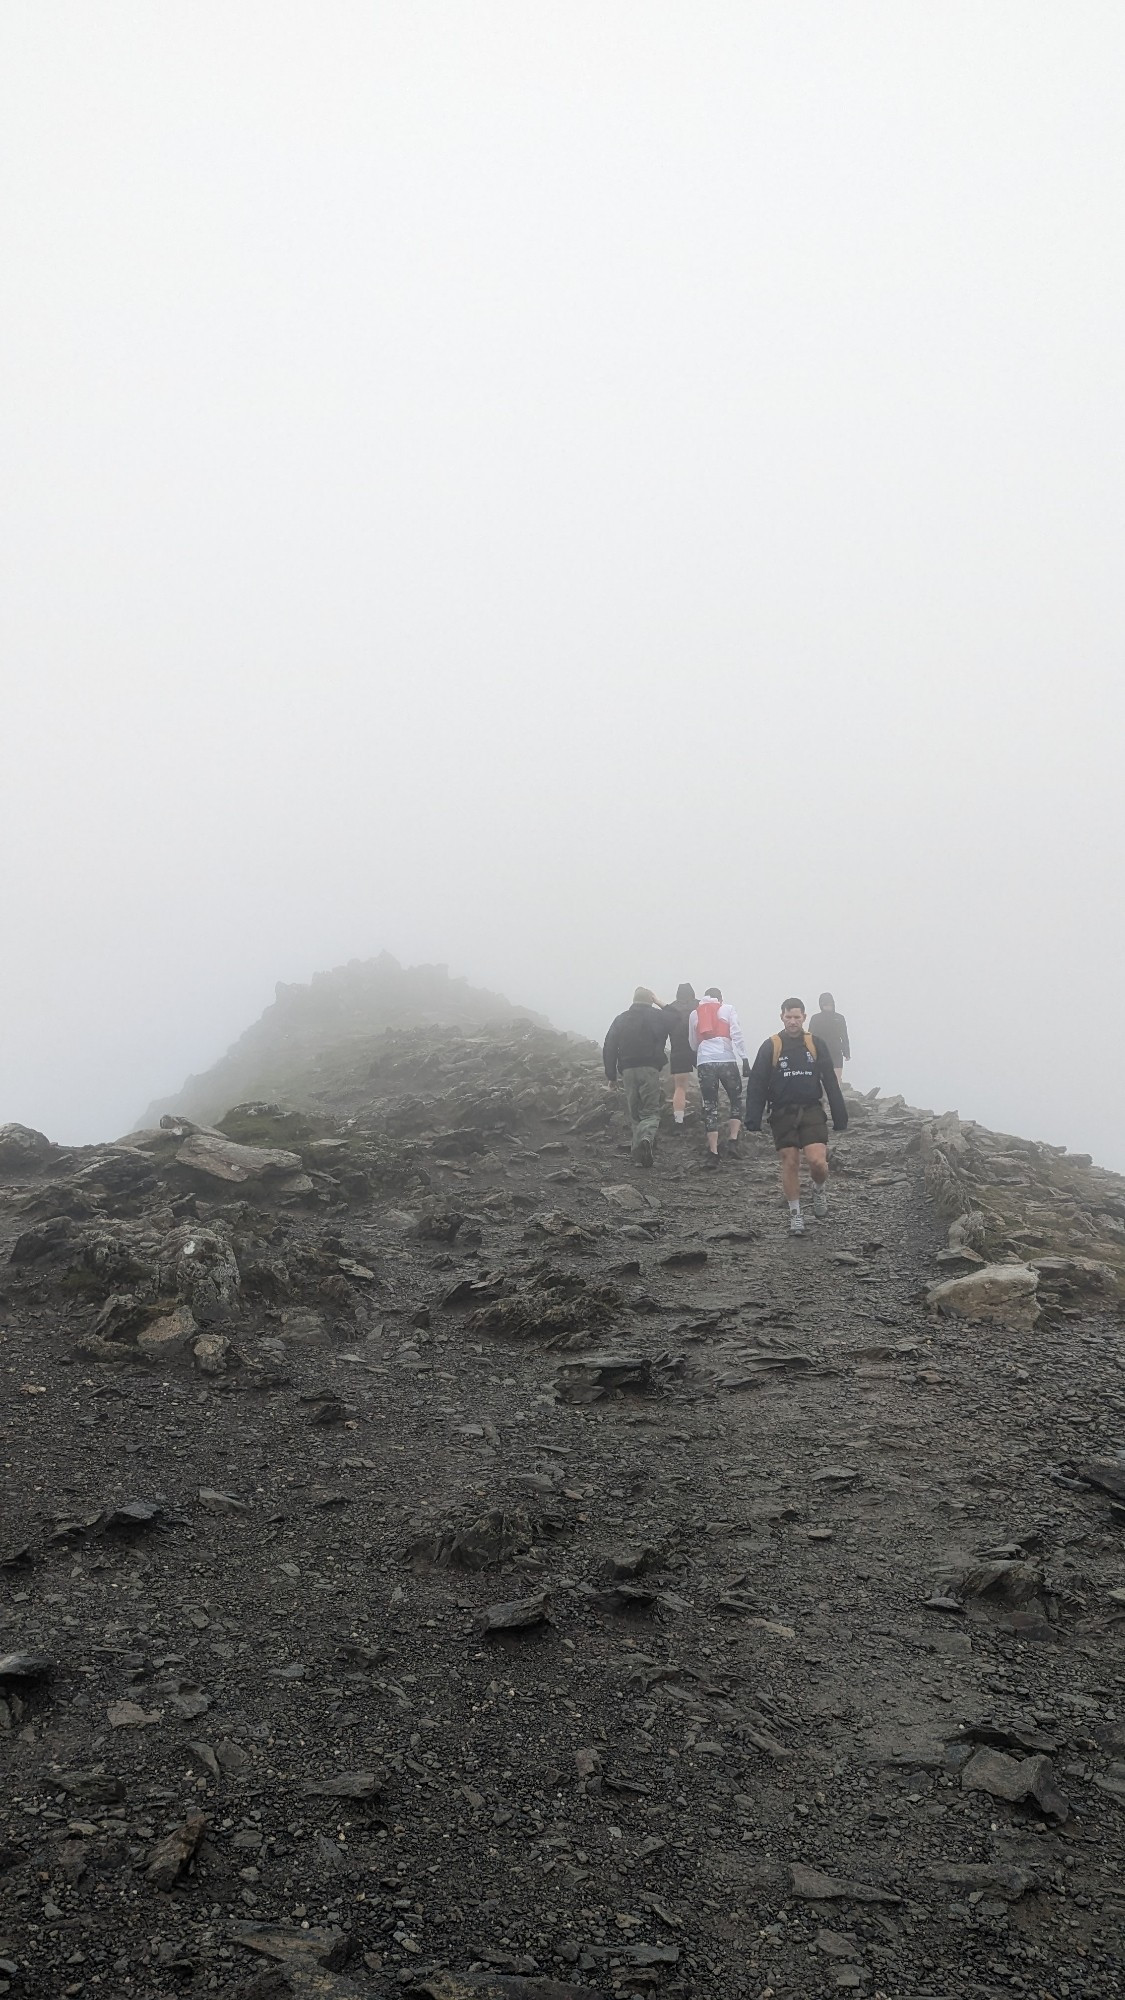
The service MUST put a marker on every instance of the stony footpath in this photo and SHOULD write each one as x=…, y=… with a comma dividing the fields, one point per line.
x=438, y=1559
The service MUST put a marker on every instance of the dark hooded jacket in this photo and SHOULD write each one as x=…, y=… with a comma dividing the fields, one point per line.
x=678, y=1014
x=636, y=1040
x=832, y=1029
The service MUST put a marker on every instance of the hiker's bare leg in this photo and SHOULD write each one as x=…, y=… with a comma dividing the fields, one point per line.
x=817, y=1157
x=840, y=1075
x=679, y=1097
x=735, y=1127
x=789, y=1165
x=712, y=1142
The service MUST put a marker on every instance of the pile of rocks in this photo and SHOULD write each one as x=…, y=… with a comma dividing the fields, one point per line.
x=1026, y=1221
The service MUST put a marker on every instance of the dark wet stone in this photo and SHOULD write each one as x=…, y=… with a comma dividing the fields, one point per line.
x=812, y=1885
x=347, y=1785
x=990, y=1878
x=93, y=1787
x=1106, y=1474
x=221, y=1503
x=131, y=1515
x=1017, y=1780
x=318, y=1944
x=25, y=1666
x=490, y=1539
x=169, y=1858
x=498, y=1986
x=518, y=1615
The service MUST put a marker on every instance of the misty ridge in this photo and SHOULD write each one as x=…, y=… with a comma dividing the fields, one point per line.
x=615, y=497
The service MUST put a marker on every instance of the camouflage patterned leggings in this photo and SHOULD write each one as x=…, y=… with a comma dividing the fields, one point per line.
x=711, y=1075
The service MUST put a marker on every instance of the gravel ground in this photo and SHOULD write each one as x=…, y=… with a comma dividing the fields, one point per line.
x=808, y=1578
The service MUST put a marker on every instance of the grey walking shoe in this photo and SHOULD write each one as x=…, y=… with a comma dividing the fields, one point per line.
x=820, y=1204
x=797, y=1224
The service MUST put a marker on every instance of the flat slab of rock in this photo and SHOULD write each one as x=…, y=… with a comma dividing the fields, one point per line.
x=518, y=1615
x=1106, y=1474
x=221, y=1503
x=225, y=1160
x=319, y=1944
x=347, y=1785
x=812, y=1885
x=498, y=1986
x=1075, y=1274
x=130, y=1715
x=990, y=1878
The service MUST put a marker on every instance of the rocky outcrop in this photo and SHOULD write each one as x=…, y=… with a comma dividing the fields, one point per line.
x=314, y=1034
x=1006, y=1199
x=23, y=1150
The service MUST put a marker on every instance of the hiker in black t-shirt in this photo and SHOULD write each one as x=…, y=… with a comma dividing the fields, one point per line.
x=831, y=1028
x=792, y=1073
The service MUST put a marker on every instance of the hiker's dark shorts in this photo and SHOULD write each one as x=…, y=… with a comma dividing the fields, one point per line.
x=800, y=1125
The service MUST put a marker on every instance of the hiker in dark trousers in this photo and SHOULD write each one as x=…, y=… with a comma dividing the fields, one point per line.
x=831, y=1028
x=678, y=1014
x=633, y=1052
x=793, y=1072
x=716, y=1037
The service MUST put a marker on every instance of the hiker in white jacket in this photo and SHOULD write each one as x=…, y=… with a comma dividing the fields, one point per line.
x=715, y=1036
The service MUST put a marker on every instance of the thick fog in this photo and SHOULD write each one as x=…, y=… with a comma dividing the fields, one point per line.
x=585, y=493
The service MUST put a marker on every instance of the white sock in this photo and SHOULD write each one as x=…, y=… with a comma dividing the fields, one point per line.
x=678, y=1116
x=795, y=1208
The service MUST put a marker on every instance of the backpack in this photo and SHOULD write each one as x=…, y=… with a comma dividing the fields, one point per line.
x=708, y=1023
x=776, y=1040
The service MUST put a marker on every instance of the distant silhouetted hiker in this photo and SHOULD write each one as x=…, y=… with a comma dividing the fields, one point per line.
x=790, y=1073
x=634, y=1052
x=716, y=1038
x=831, y=1028
x=677, y=1014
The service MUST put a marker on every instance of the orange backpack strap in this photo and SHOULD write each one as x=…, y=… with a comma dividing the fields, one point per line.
x=776, y=1040
x=811, y=1046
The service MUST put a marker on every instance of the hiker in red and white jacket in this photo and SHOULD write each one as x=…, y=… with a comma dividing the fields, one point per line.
x=716, y=1039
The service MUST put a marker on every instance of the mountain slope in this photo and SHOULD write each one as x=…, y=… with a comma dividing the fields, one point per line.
x=498, y=1574
x=309, y=1030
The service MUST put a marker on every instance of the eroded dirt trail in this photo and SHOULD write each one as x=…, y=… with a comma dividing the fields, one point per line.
x=812, y=1572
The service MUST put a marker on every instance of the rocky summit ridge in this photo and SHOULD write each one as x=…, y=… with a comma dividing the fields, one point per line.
x=313, y=1034
x=438, y=1559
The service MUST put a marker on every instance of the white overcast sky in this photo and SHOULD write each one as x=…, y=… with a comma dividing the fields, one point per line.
x=587, y=492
